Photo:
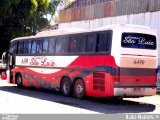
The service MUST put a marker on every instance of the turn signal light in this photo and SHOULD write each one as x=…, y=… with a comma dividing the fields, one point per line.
x=117, y=78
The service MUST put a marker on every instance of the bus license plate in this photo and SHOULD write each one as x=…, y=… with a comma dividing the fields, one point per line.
x=137, y=89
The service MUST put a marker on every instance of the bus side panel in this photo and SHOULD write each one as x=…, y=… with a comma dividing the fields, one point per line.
x=28, y=80
x=35, y=77
x=96, y=71
x=98, y=86
x=100, y=83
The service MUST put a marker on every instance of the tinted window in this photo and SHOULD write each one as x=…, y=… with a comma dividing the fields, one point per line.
x=58, y=45
x=73, y=44
x=45, y=45
x=27, y=46
x=81, y=42
x=91, y=42
x=33, y=50
x=105, y=39
x=65, y=44
x=39, y=46
x=138, y=40
x=52, y=44
x=20, y=47
x=62, y=44
x=78, y=43
x=13, y=47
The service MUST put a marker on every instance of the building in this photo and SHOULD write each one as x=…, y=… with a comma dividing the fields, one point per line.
x=96, y=13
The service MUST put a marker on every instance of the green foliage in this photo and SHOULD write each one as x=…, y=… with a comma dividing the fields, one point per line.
x=22, y=18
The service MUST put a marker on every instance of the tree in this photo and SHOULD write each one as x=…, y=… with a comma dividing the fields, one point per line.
x=23, y=18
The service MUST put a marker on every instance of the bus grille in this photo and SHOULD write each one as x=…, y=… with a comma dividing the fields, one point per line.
x=99, y=81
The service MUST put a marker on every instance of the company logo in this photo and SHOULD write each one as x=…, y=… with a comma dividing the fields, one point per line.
x=138, y=40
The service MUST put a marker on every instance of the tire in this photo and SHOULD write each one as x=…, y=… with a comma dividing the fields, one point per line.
x=66, y=87
x=79, y=89
x=19, y=80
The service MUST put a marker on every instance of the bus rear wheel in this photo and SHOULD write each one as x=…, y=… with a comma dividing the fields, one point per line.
x=19, y=80
x=79, y=89
x=66, y=87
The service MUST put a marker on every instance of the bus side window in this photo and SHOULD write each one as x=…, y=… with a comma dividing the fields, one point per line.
x=52, y=42
x=39, y=46
x=33, y=50
x=104, y=42
x=45, y=46
x=91, y=42
x=73, y=43
x=13, y=47
x=81, y=42
x=62, y=44
x=27, y=46
x=65, y=44
x=58, y=44
x=20, y=47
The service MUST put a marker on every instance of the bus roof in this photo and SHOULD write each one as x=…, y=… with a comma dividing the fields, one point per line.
x=59, y=32
x=123, y=25
x=53, y=33
x=65, y=31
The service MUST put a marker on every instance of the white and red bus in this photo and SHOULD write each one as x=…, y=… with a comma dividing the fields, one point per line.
x=112, y=61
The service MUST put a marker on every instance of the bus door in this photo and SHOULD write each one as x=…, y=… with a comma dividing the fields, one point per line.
x=7, y=59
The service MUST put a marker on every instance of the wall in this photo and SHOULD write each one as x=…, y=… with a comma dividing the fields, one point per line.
x=107, y=8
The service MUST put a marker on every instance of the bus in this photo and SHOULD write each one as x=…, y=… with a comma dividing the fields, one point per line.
x=111, y=61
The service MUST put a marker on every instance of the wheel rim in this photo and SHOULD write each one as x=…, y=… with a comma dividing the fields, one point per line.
x=19, y=81
x=79, y=89
x=66, y=87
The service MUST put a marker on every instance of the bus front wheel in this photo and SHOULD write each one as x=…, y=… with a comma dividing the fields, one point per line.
x=66, y=86
x=79, y=89
x=19, y=80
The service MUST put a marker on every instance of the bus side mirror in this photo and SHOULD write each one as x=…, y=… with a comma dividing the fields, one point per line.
x=4, y=62
x=5, y=57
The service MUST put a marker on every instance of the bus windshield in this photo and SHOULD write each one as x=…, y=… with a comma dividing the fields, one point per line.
x=139, y=41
